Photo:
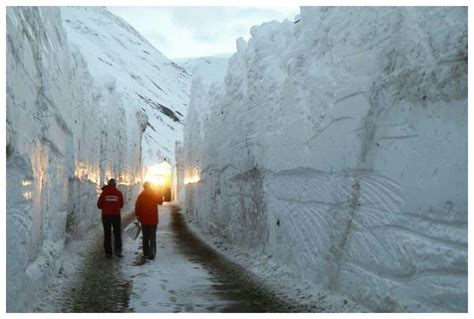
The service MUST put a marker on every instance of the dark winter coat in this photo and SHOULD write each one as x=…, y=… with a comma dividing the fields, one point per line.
x=110, y=201
x=146, y=207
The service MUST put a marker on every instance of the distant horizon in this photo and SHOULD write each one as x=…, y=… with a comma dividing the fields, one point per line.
x=219, y=55
x=178, y=34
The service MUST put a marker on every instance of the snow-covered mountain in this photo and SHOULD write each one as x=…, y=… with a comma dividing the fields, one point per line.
x=117, y=55
x=209, y=69
x=336, y=151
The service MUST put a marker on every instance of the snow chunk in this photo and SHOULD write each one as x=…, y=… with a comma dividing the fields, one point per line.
x=241, y=44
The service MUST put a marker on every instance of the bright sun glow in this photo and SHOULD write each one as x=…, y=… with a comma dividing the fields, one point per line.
x=161, y=181
x=191, y=175
x=159, y=174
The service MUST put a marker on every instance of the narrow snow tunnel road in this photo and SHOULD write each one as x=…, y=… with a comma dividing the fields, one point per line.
x=186, y=276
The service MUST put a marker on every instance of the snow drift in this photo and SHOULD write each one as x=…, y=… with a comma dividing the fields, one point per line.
x=337, y=146
x=72, y=123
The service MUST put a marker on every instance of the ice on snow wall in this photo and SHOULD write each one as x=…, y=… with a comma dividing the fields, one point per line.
x=65, y=137
x=338, y=145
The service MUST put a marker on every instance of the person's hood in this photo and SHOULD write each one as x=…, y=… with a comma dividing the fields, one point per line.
x=108, y=187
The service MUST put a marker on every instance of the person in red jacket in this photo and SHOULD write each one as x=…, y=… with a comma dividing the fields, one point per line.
x=111, y=201
x=146, y=210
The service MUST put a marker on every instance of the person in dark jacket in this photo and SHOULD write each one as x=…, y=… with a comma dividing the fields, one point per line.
x=111, y=201
x=146, y=210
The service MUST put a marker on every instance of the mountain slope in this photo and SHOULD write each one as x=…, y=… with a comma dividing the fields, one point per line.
x=210, y=69
x=120, y=58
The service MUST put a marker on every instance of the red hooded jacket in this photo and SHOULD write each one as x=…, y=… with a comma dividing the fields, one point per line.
x=110, y=201
x=146, y=207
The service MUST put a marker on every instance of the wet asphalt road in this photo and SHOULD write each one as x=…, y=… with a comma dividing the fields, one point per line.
x=186, y=276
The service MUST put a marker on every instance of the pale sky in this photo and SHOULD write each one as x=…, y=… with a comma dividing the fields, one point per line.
x=181, y=32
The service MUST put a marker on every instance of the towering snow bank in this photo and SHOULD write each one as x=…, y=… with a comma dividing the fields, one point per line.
x=119, y=56
x=207, y=73
x=338, y=146
x=66, y=134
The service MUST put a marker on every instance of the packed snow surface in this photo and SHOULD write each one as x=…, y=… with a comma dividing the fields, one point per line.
x=337, y=147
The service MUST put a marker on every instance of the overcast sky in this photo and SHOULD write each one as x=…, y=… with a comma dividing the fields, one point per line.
x=181, y=32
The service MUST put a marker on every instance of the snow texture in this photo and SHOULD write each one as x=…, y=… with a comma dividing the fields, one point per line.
x=337, y=146
x=147, y=82
x=208, y=72
x=76, y=114
x=177, y=183
x=209, y=69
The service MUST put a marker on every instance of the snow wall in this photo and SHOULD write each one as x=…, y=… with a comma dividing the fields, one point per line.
x=66, y=136
x=337, y=145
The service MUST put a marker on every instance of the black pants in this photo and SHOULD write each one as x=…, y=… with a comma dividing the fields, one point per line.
x=114, y=222
x=149, y=240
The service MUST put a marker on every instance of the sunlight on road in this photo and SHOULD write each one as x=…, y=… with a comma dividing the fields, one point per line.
x=191, y=175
